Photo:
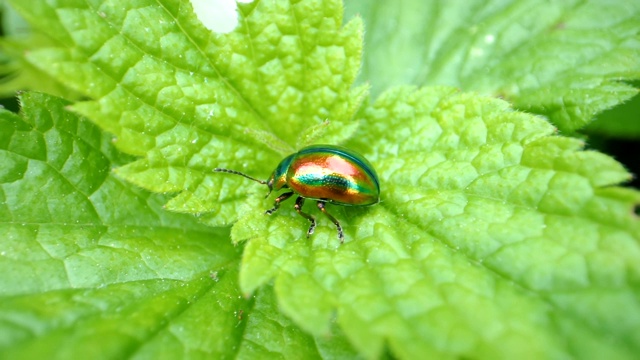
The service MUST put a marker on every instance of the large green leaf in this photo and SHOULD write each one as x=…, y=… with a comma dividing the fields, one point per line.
x=90, y=264
x=620, y=122
x=495, y=237
x=563, y=59
x=189, y=100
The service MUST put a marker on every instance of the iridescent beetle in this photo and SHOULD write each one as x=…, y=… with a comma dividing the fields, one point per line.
x=325, y=173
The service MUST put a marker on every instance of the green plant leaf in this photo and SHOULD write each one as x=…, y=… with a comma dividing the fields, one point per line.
x=90, y=264
x=494, y=238
x=621, y=121
x=15, y=71
x=93, y=267
x=18, y=74
x=193, y=101
x=269, y=334
x=564, y=60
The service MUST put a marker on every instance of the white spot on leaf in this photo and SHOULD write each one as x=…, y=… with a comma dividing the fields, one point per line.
x=217, y=15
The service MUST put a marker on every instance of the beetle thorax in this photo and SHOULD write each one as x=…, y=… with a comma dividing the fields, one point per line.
x=278, y=178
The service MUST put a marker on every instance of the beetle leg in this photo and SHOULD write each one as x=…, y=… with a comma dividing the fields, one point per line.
x=298, y=207
x=279, y=199
x=340, y=234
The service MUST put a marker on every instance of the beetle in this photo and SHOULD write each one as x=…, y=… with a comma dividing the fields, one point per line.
x=326, y=174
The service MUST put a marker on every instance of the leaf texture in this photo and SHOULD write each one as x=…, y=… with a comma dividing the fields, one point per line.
x=566, y=60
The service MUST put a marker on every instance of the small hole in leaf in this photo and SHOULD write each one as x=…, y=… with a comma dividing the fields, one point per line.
x=636, y=209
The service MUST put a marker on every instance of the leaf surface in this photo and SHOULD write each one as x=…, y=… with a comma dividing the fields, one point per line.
x=482, y=208
x=93, y=265
x=565, y=60
x=495, y=237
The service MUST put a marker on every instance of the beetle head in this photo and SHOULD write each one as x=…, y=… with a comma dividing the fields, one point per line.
x=278, y=178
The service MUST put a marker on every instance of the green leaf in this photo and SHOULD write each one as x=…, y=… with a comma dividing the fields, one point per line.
x=12, y=22
x=495, y=238
x=93, y=266
x=90, y=264
x=564, y=60
x=621, y=121
x=269, y=334
x=18, y=74
x=482, y=208
x=15, y=71
x=189, y=100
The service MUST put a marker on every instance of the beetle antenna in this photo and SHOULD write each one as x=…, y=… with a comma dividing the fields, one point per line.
x=241, y=174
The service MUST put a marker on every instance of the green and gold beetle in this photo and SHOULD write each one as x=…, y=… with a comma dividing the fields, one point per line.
x=325, y=173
